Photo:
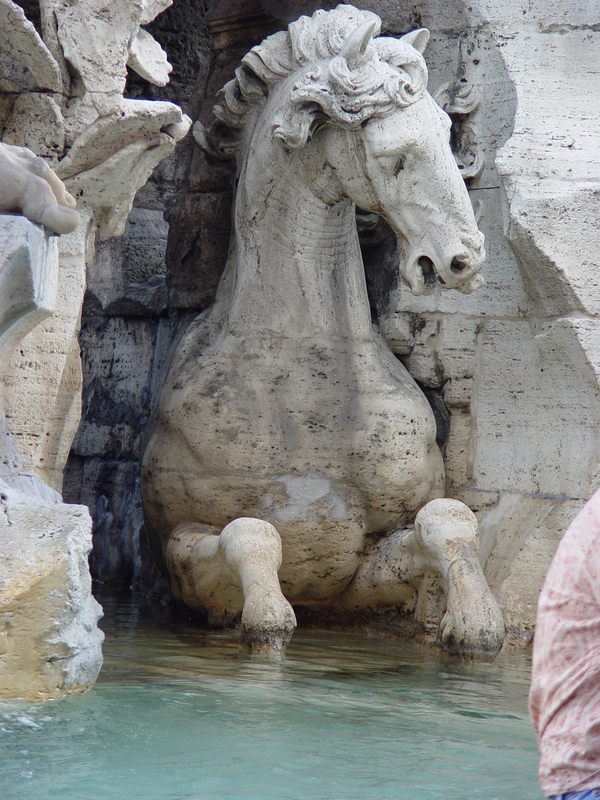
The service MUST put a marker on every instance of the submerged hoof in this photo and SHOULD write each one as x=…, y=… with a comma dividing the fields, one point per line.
x=268, y=643
x=268, y=622
x=473, y=629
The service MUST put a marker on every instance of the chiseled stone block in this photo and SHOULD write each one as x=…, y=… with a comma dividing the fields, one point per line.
x=50, y=644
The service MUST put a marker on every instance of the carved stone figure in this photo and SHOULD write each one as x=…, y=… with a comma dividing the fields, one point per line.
x=32, y=188
x=288, y=438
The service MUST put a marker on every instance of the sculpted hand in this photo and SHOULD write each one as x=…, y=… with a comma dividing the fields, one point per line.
x=29, y=186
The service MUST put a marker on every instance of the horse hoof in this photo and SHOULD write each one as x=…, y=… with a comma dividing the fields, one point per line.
x=268, y=622
x=477, y=630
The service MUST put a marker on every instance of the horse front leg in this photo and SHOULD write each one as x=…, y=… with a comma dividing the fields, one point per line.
x=231, y=572
x=444, y=541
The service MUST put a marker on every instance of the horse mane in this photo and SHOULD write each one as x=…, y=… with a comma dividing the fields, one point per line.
x=344, y=76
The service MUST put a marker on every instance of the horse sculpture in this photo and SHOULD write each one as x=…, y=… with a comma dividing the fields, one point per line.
x=290, y=446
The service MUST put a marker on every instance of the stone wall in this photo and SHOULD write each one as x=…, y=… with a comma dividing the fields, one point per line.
x=511, y=371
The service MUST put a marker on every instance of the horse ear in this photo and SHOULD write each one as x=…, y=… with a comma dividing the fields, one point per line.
x=417, y=39
x=355, y=48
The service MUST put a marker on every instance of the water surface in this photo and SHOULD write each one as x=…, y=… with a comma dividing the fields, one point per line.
x=181, y=714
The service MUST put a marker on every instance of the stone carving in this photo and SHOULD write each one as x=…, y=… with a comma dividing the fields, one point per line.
x=61, y=96
x=460, y=99
x=69, y=138
x=288, y=438
x=28, y=185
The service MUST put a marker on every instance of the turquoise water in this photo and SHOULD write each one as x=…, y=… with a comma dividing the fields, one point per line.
x=180, y=714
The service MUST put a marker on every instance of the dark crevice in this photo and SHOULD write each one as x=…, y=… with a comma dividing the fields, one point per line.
x=440, y=412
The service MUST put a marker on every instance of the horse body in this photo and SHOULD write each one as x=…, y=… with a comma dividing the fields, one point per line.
x=297, y=391
x=283, y=403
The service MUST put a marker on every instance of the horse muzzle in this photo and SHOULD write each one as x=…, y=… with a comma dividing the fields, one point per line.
x=423, y=271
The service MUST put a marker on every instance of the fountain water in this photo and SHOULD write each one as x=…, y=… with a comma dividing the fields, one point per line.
x=181, y=713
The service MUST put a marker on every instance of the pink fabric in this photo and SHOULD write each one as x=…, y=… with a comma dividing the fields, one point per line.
x=564, y=699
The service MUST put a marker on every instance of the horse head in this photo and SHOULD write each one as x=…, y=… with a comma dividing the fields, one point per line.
x=356, y=109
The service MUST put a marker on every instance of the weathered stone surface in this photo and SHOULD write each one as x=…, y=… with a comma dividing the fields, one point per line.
x=109, y=158
x=118, y=363
x=97, y=44
x=124, y=362
x=27, y=63
x=197, y=248
x=512, y=427
x=535, y=434
x=128, y=275
x=49, y=641
x=148, y=59
x=28, y=287
x=111, y=490
x=36, y=122
x=519, y=536
x=519, y=590
x=103, y=139
x=28, y=279
x=152, y=8
x=551, y=171
x=135, y=164
x=523, y=393
x=455, y=16
x=113, y=158
x=34, y=386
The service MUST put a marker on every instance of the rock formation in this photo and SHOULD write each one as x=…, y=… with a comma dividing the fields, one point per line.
x=68, y=138
x=49, y=640
x=62, y=97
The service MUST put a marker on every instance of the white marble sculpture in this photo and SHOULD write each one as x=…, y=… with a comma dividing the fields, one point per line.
x=30, y=187
x=290, y=447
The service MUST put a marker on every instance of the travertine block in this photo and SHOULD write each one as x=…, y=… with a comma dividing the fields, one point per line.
x=551, y=169
x=29, y=64
x=458, y=450
x=36, y=122
x=538, y=410
x=519, y=590
x=34, y=389
x=50, y=644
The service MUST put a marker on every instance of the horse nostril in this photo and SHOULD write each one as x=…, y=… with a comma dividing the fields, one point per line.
x=427, y=269
x=457, y=266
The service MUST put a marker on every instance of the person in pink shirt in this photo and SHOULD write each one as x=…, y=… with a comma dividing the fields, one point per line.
x=564, y=699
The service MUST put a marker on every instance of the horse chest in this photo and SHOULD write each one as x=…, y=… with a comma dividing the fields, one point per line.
x=338, y=411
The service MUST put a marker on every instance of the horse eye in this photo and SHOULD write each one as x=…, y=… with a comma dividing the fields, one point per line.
x=399, y=166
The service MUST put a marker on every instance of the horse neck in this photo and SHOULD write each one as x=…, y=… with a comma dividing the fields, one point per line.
x=295, y=266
